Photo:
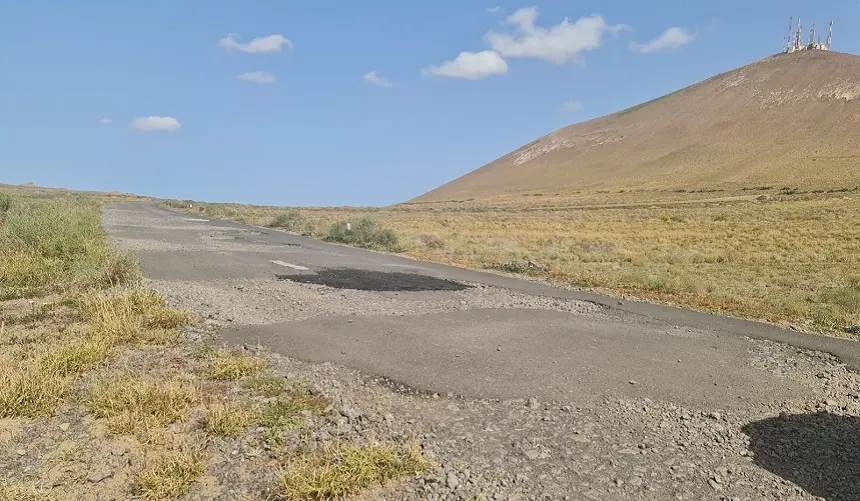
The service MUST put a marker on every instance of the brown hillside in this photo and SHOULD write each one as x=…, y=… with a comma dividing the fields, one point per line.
x=787, y=120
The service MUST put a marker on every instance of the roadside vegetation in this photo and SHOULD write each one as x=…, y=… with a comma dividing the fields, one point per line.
x=89, y=359
x=363, y=232
x=764, y=252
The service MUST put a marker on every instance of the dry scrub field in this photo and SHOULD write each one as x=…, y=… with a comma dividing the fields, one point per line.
x=767, y=253
x=103, y=396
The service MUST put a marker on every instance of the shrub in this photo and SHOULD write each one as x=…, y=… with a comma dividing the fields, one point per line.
x=290, y=221
x=363, y=233
x=178, y=204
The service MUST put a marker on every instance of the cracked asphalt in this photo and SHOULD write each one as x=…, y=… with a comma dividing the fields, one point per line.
x=644, y=381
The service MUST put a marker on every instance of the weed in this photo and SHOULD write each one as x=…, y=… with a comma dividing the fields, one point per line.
x=28, y=391
x=133, y=316
x=363, y=232
x=268, y=385
x=132, y=404
x=345, y=470
x=231, y=365
x=228, y=419
x=76, y=356
x=170, y=476
x=279, y=414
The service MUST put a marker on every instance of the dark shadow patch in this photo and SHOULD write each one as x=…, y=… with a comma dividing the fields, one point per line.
x=365, y=280
x=818, y=452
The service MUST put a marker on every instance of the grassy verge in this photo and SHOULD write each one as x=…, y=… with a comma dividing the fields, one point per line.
x=783, y=259
x=84, y=349
x=56, y=245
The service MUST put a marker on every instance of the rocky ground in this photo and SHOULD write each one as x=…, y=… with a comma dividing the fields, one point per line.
x=806, y=446
x=530, y=449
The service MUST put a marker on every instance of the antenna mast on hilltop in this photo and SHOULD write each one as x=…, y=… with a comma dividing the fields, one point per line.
x=797, y=35
x=795, y=38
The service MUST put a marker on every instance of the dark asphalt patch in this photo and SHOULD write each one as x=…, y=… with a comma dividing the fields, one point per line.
x=379, y=281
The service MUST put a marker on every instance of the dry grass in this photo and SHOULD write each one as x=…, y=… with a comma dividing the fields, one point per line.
x=26, y=390
x=57, y=245
x=228, y=418
x=170, y=476
x=232, y=365
x=268, y=385
x=136, y=405
x=76, y=356
x=339, y=472
x=133, y=316
x=17, y=491
x=792, y=258
x=63, y=353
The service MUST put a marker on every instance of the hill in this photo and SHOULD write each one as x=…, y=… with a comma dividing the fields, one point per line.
x=787, y=120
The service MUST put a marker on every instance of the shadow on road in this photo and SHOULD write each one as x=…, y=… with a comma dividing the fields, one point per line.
x=818, y=452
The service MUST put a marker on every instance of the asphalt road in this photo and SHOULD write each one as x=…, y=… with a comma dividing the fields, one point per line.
x=624, y=348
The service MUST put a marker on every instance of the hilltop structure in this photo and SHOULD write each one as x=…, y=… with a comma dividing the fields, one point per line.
x=794, y=42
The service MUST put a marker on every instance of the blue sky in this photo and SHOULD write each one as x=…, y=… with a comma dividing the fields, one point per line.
x=288, y=111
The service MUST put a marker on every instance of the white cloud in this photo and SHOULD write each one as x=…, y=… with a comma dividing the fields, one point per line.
x=148, y=124
x=106, y=121
x=572, y=106
x=494, y=10
x=671, y=39
x=262, y=45
x=375, y=79
x=260, y=77
x=557, y=44
x=470, y=65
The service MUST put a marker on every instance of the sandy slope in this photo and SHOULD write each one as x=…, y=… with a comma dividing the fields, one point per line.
x=787, y=120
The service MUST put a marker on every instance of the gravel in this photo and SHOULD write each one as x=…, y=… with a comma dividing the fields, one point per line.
x=642, y=448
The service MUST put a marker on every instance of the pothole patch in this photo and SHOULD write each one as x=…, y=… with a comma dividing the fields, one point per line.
x=379, y=281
